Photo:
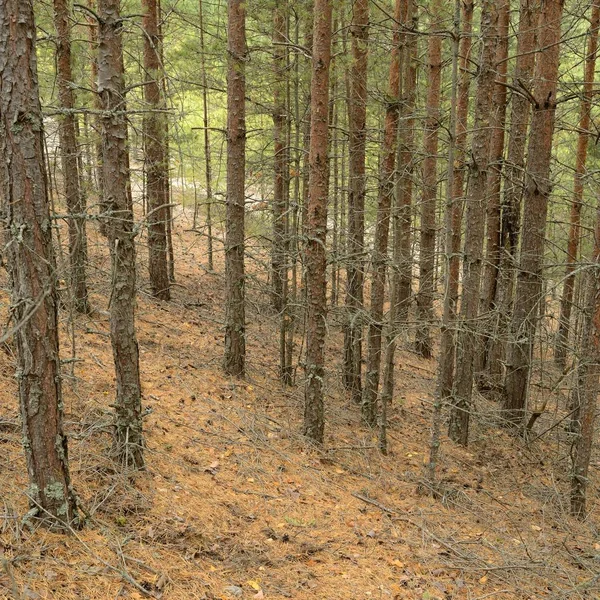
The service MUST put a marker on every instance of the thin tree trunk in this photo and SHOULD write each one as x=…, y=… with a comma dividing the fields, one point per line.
x=566, y=303
x=466, y=338
x=207, y=150
x=32, y=266
x=453, y=223
x=494, y=221
x=235, y=320
x=97, y=105
x=423, y=342
x=399, y=218
x=334, y=173
x=281, y=188
x=513, y=188
x=316, y=224
x=357, y=116
x=406, y=159
x=168, y=187
x=455, y=210
x=281, y=168
x=537, y=191
x=87, y=156
x=588, y=378
x=288, y=375
x=382, y=227
x=67, y=133
x=128, y=439
x=155, y=164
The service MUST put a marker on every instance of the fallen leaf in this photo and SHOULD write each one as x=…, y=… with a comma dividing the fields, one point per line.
x=212, y=468
x=253, y=584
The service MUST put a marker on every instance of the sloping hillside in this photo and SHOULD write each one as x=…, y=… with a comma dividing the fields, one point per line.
x=235, y=504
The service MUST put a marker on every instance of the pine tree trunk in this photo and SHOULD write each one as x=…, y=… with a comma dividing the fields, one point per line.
x=334, y=172
x=97, y=106
x=32, y=266
x=281, y=187
x=155, y=164
x=466, y=338
x=357, y=118
x=316, y=224
x=423, y=342
x=235, y=320
x=67, y=133
x=513, y=189
x=455, y=210
x=400, y=215
x=281, y=168
x=494, y=225
x=406, y=161
x=382, y=227
x=588, y=375
x=128, y=439
x=453, y=226
x=537, y=190
x=168, y=187
x=566, y=304
x=291, y=316
x=207, y=149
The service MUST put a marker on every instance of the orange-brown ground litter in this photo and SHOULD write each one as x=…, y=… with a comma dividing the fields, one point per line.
x=234, y=503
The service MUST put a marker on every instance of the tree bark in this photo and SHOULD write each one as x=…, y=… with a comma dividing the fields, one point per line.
x=316, y=224
x=118, y=217
x=67, y=133
x=453, y=227
x=400, y=217
x=513, y=188
x=566, y=303
x=406, y=162
x=466, y=338
x=494, y=184
x=281, y=187
x=455, y=209
x=207, y=149
x=32, y=266
x=280, y=158
x=155, y=155
x=588, y=375
x=97, y=105
x=423, y=342
x=537, y=190
x=382, y=226
x=357, y=119
x=235, y=319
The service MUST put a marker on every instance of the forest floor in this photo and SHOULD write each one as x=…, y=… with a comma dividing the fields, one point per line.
x=235, y=504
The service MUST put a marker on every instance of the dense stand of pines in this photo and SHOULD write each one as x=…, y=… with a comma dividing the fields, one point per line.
x=421, y=186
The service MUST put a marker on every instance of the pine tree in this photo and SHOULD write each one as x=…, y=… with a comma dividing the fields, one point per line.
x=423, y=341
x=155, y=154
x=466, y=338
x=562, y=336
x=32, y=266
x=119, y=225
x=316, y=224
x=535, y=207
x=382, y=227
x=235, y=318
x=67, y=131
x=357, y=117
